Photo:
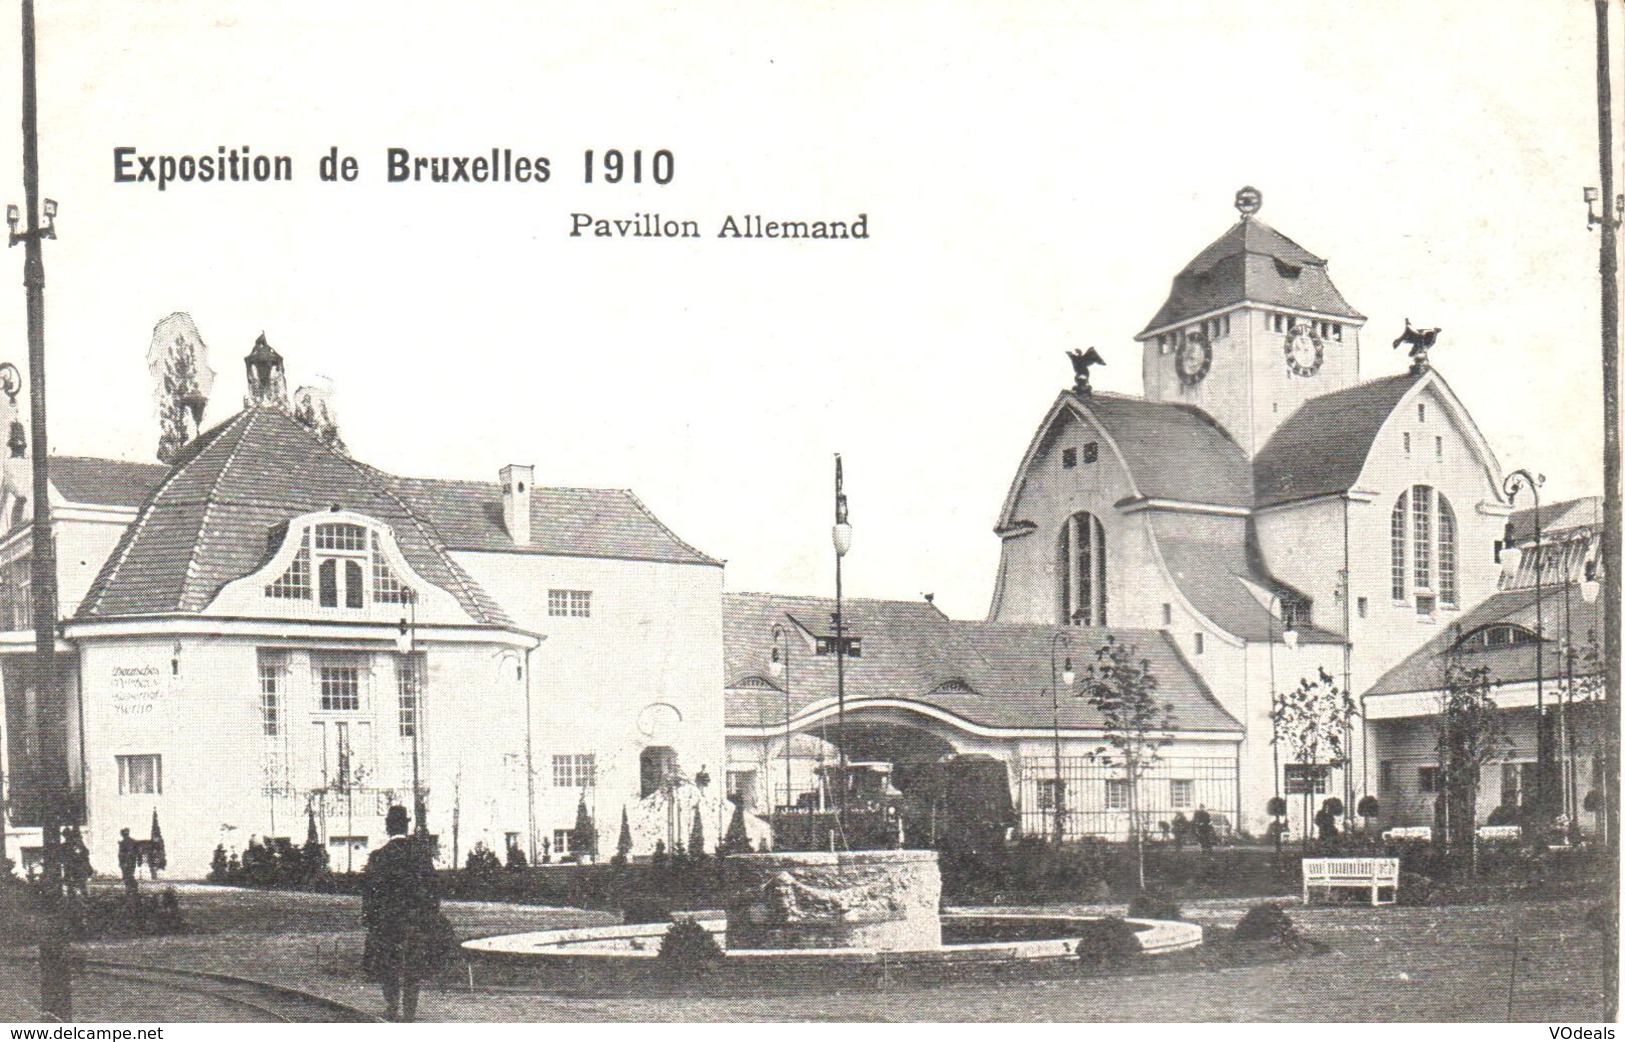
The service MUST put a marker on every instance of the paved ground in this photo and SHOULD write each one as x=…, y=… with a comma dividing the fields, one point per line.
x=1388, y=964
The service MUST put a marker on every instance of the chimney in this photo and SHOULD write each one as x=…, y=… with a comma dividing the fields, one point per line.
x=516, y=479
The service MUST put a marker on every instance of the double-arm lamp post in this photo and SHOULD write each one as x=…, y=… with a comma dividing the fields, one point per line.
x=1057, y=677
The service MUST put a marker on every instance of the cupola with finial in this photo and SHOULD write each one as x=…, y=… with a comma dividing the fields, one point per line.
x=267, y=383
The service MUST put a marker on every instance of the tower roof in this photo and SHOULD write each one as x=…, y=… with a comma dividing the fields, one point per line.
x=1255, y=263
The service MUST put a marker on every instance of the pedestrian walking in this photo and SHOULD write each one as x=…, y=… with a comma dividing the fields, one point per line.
x=128, y=857
x=400, y=903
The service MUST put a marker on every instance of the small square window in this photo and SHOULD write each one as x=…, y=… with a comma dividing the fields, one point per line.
x=1116, y=794
x=575, y=604
x=1427, y=779
x=1048, y=791
x=140, y=775
x=1091, y=451
x=1182, y=793
x=1361, y=605
x=561, y=842
x=1069, y=458
x=1424, y=604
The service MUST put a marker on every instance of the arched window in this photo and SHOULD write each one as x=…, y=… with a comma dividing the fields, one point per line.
x=1422, y=537
x=1083, y=571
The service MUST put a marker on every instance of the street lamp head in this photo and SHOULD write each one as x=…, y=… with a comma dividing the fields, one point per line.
x=775, y=665
x=841, y=536
x=1590, y=587
x=1289, y=637
x=50, y=209
x=1068, y=677
x=403, y=638
x=1592, y=195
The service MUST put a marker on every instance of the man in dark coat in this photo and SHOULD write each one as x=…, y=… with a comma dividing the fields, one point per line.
x=401, y=906
x=128, y=857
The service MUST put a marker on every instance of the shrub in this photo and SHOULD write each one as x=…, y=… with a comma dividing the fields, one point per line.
x=1267, y=922
x=111, y=914
x=1153, y=904
x=645, y=910
x=690, y=946
x=1107, y=942
x=483, y=863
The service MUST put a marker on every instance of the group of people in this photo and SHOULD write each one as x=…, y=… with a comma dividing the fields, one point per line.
x=1198, y=827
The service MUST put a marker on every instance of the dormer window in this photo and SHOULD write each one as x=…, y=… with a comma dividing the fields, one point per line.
x=339, y=565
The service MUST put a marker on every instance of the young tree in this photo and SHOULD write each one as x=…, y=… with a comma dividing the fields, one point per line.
x=1313, y=722
x=1471, y=733
x=584, y=837
x=623, y=842
x=1124, y=692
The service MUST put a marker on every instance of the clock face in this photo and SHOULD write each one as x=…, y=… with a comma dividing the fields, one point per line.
x=1304, y=350
x=1194, y=359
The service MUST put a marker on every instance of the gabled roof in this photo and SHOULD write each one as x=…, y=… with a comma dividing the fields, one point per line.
x=1563, y=610
x=104, y=482
x=1172, y=451
x=1323, y=446
x=1251, y=262
x=212, y=517
x=569, y=522
x=988, y=674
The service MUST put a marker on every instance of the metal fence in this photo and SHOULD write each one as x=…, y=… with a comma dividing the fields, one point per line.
x=1093, y=797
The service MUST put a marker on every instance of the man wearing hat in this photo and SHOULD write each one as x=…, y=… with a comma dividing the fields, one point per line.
x=400, y=903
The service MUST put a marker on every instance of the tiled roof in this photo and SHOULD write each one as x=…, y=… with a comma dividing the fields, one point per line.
x=570, y=522
x=1585, y=512
x=1562, y=609
x=1174, y=451
x=104, y=482
x=912, y=652
x=210, y=519
x=1322, y=448
x=1252, y=262
x=1209, y=558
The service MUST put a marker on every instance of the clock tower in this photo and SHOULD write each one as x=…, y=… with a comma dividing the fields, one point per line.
x=1252, y=328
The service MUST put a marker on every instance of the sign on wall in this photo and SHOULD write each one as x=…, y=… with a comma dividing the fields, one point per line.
x=136, y=689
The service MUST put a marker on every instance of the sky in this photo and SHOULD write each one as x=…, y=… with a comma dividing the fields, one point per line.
x=1033, y=175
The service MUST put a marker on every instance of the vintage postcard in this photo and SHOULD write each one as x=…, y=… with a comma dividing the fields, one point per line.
x=945, y=512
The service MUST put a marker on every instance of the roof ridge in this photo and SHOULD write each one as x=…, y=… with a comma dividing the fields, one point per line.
x=208, y=507
x=109, y=571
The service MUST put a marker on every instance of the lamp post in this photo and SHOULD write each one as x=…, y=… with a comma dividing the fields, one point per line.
x=780, y=667
x=841, y=537
x=1516, y=482
x=51, y=776
x=405, y=643
x=1289, y=637
x=1056, y=678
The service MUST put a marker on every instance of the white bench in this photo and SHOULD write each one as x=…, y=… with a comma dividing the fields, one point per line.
x=1408, y=832
x=1492, y=833
x=1365, y=873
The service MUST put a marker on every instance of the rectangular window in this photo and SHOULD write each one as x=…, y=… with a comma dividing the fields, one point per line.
x=1447, y=553
x=1337, y=331
x=1116, y=794
x=1396, y=536
x=339, y=686
x=575, y=770
x=561, y=842
x=1167, y=614
x=1385, y=776
x=1422, y=535
x=341, y=537
x=273, y=668
x=1362, y=605
x=1182, y=793
x=1069, y=458
x=1407, y=442
x=574, y=604
x=1425, y=603
x=1048, y=791
x=1421, y=413
x=742, y=787
x=1427, y=779
x=1091, y=451
x=1197, y=643
x=141, y=775
x=409, y=686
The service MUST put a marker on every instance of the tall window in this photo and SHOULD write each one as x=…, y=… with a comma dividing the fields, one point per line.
x=1396, y=535
x=1051, y=792
x=141, y=775
x=657, y=765
x=575, y=770
x=1182, y=793
x=1116, y=794
x=409, y=687
x=16, y=593
x=273, y=667
x=1422, y=531
x=1083, y=571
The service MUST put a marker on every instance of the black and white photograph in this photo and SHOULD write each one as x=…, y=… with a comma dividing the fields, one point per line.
x=869, y=512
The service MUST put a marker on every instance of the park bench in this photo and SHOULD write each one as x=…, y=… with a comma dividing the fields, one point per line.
x=1492, y=833
x=1364, y=873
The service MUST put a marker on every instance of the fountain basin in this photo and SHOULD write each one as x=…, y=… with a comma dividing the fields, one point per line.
x=886, y=900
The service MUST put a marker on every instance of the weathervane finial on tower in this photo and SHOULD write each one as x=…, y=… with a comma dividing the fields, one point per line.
x=1248, y=200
